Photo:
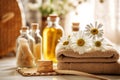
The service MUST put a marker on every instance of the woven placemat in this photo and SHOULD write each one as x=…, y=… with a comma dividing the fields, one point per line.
x=33, y=72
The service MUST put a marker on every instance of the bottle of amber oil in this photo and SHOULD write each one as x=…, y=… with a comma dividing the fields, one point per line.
x=51, y=34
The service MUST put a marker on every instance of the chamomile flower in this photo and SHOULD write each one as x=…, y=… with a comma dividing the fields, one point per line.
x=100, y=44
x=80, y=43
x=94, y=31
x=64, y=43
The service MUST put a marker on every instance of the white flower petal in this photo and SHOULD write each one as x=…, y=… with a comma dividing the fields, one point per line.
x=103, y=46
x=76, y=47
x=95, y=24
x=100, y=26
x=88, y=27
x=62, y=40
x=91, y=27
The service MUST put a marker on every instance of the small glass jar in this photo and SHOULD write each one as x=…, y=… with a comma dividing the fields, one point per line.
x=25, y=44
x=75, y=28
x=51, y=34
x=35, y=33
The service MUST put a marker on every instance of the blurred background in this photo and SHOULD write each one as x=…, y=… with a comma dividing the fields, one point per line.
x=106, y=12
x=17, y=13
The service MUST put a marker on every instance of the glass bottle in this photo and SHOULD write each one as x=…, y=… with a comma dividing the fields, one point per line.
x=51, y=34
x=25, y=44
x=24, y=33
x=35, y=33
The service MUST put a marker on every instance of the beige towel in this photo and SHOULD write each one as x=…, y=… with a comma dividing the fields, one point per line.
x=96, y=68
x=93, y=56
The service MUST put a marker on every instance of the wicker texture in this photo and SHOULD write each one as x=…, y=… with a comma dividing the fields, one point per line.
x=33, y=72
x=9, y=27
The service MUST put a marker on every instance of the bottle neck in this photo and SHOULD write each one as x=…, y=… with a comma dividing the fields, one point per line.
x=26, y=35
x=53, y=21
x=52, y=24
x=35, y=32
x=24, y=32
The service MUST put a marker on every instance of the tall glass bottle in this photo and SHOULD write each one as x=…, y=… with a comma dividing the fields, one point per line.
x=35, y=33
x=51, y=35
x=25, y=45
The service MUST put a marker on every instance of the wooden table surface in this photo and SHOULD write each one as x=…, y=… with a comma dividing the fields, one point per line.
x=8, y=72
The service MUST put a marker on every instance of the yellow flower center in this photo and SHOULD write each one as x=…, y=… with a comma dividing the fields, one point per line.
x=80, y=42
x=98, y=43
x=68, y=36
x=66, y=43
x=94, y=31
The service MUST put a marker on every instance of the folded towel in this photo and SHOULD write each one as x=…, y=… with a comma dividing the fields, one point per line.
x=91, y=56
x=96, y=68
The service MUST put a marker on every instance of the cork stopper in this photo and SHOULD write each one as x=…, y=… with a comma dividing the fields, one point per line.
x=44, y=66
x=24, y=28
x=53, y=17
x=75, y=26
x=35, y=26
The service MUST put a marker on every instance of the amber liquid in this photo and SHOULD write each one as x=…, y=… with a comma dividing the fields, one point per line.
x=51, y=35
x=37, y=52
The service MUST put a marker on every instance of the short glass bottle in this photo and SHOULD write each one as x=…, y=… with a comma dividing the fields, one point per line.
x=51, y=34
x=35, y=33
x=25, y=44
x=75, y=28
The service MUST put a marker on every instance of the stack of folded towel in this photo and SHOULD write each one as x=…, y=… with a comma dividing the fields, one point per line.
x=88, y=51
x=98, y=62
